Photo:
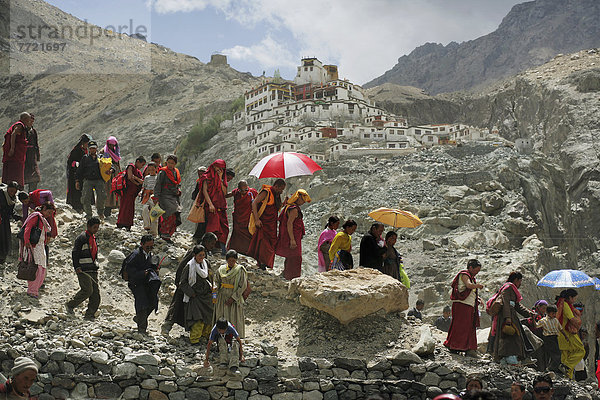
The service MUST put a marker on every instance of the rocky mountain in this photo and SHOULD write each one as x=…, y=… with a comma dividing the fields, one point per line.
x=532, y=211
x=531, y=34
x=144, y=94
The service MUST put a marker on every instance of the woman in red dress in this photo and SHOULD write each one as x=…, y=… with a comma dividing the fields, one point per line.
x=134, y=184
x=291, y=231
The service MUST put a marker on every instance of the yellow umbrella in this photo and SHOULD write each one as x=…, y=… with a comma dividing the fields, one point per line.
x=396, y=218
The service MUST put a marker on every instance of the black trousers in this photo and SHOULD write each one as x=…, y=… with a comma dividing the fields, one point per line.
x=552, y=352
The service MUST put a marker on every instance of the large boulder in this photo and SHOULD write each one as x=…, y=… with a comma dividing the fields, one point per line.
x=352, y=294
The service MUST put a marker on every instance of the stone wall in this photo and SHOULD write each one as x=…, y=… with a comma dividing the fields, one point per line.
x=79, y=374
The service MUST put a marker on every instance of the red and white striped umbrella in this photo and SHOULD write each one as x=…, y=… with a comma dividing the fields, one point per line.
x=284, y=165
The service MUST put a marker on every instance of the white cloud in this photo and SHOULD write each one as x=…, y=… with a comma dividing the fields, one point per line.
x=172, y=6
x=364, y=37
x=268, y=53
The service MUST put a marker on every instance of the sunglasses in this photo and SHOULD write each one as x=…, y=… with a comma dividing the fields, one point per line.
x=542, y=389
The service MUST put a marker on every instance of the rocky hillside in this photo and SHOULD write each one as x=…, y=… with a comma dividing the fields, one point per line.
x=291, y=351
x=531, y=34
x=97, y=89
x=533, y=212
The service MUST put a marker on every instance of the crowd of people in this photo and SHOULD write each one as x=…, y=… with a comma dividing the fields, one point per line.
x=553, y=333
x=209, y=302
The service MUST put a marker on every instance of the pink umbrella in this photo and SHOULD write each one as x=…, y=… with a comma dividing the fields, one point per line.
x=284, y=165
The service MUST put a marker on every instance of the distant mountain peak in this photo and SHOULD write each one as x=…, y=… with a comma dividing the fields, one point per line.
x=529, y=35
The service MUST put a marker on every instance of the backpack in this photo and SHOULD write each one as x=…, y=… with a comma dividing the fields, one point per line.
x=494, y=305
x=118, y=185
x=123, y=272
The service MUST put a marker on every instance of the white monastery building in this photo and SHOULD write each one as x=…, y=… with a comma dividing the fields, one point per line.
x=327, y=118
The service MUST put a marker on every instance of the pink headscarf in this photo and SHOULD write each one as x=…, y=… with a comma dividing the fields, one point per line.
x=115, y=155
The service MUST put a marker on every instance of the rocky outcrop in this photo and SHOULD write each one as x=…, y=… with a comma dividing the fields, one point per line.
x=352, y=294
x=531, y=34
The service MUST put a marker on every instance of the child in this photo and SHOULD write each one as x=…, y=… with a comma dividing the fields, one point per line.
x=147, y=191
x=551, y=329
x=230, y=351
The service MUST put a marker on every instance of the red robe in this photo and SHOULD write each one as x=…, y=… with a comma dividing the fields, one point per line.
x=293, y=257
x=127, y=206
x=262, y=245
x=13, y=167
x=242, y=209
x=215, y=222
x=462, y=334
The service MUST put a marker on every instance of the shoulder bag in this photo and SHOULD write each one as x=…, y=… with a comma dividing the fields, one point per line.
x=27, y=268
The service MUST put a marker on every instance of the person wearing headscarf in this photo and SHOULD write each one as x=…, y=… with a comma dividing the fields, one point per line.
x=571, y=347
x=37, y=250
x=540, y=312
x=111, y=150
x=32, y=158
x=14, y=150
x=291, y=232
x=325, y=240
x=8, y=198
x=196, y=285
x=176, y=312
x=167, y=191
x=265, y=212
x=213, y=184
x=22, y=376
x=35, y=199
x=243, y=196
x=75, y=156
x=507, y=341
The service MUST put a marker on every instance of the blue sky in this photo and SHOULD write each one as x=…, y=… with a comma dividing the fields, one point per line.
x=364, y=37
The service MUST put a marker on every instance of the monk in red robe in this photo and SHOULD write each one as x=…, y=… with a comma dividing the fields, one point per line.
x=265, y=210
x=134, y=185
x=243, y=197
x=462, y=335
x=214, y=188
x=291, y=232
x=14, y=151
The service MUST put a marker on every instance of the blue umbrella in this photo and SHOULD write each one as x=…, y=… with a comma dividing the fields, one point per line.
x=566, y=278
x=597, y=283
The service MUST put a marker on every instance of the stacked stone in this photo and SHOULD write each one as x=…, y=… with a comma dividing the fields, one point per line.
x=78, y=374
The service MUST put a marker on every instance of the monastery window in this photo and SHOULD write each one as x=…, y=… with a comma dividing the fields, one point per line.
x=392, y=146
x=306, y=68
x=312, y=108
x=367, y=136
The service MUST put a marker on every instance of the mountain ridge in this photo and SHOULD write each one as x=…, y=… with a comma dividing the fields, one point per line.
x=529, y=35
